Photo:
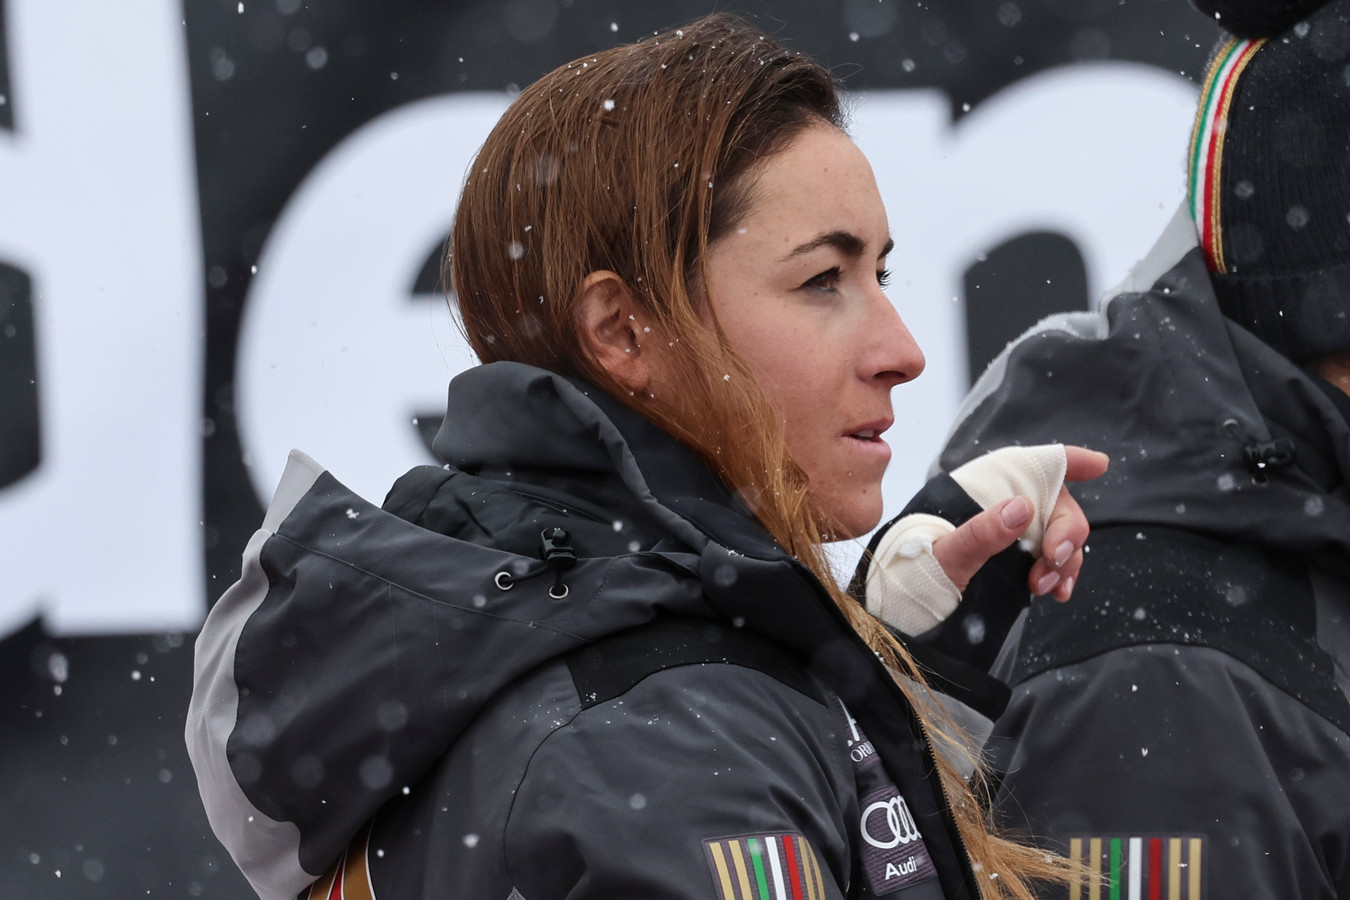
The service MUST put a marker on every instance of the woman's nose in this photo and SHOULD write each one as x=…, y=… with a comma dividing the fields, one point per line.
x=894, y=356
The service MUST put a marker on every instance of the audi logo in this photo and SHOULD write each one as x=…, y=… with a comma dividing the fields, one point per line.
x=898, y=828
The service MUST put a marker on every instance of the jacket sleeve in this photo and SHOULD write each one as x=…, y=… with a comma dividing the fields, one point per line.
x=698, y=781
x=1179, y=743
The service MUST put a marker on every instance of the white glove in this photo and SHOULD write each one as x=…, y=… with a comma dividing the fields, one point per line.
x=906, y=587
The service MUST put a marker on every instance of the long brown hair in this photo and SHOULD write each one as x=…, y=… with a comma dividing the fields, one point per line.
x=635, y=160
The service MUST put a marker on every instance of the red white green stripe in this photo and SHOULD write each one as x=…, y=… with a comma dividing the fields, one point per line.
x=1138, y=867
x=765, y=867
x=1206, y=163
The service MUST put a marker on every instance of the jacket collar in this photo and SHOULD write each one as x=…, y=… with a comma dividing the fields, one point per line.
x=542, y=428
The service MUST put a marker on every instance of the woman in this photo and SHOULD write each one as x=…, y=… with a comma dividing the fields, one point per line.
x=599, y=653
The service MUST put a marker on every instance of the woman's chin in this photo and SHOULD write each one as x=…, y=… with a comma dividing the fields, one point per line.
x=855, y=517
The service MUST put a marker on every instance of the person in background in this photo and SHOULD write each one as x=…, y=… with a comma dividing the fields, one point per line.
x=599, y=652
x=1182, y=728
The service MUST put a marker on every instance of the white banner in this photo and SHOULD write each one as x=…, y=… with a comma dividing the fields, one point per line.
x=336, y=354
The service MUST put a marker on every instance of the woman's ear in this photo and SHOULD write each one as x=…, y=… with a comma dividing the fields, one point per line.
x=607, y=317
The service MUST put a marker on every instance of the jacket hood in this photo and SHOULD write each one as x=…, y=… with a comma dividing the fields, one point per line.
x=1208, y=428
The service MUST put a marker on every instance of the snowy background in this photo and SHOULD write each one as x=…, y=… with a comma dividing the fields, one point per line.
x=219, y=231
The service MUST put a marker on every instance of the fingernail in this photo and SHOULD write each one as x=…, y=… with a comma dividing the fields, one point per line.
x=1016, y=512
x=1063, y=552
x=1068, y=587
x=1047, y=583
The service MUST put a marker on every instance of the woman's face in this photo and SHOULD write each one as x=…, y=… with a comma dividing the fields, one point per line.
x=797, y=288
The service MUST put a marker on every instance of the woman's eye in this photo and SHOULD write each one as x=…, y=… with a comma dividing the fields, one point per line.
x=825, y=281
x=884, y=277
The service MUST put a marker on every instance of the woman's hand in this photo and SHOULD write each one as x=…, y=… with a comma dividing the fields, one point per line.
x=965, y=550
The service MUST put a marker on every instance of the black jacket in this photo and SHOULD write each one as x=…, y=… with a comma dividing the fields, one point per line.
x=567, y=664
x=1186, y=711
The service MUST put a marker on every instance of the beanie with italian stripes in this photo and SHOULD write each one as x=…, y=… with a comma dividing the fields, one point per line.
x=1270, y=173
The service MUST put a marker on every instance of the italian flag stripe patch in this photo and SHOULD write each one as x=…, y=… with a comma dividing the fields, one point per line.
x=764, y=867
x=1138, y=867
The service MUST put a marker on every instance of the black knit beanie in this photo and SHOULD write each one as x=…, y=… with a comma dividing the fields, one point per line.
x=1270, y=172
x=1258, y=18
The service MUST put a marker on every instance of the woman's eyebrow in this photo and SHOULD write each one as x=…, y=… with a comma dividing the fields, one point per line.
x=846, y=242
